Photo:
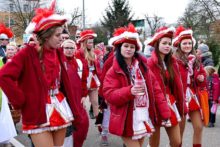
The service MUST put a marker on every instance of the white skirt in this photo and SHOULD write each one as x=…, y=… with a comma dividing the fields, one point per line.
x=59, y=115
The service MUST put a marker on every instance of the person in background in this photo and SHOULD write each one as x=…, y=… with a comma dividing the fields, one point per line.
x=213, y=85
x=75, y=70
x=43, y=91
x=5, y=35
x=77, y=36
x=87, y=56
x=11, y=50
x=166, y=71
x=69, y=139
x=132, y=91
x=107, y=60
x=13, y=116
x=65, y=34
x=194, y=79
x=205, y=55
x=147, y=48
x=108, y=49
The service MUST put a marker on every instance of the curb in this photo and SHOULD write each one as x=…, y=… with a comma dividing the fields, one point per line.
x=16, y=143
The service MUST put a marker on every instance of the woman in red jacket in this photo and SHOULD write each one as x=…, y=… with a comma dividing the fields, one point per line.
x=193, y=77
x=88, y=58
x=166, y=70
x=132, y=91
x=75, y=73
x=43, y=85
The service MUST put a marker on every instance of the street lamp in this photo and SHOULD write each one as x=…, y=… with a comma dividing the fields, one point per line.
x=83, y=14
x=9, y=17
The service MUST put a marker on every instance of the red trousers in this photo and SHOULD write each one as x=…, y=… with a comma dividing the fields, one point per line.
x=80, y=134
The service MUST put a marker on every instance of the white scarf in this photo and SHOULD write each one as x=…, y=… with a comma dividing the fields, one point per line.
x=142, y=125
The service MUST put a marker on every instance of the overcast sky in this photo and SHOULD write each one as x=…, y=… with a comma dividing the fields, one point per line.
x=94, y=9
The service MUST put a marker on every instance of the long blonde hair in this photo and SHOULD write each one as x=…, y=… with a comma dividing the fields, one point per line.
x=89, y=55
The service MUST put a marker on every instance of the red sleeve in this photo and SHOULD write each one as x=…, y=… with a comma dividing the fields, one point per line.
x=160, y=100
x=9, y=74
x=85, y=74
x=201, y=71
x=216, y=87
x=98, y=68
x=113, y=92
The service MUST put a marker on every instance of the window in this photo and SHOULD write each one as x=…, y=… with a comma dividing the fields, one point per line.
x=12, y=22
x=25, y=8
x=11, y=7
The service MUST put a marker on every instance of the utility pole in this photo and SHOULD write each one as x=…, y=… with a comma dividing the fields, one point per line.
x=83, y=11
x=9, y=14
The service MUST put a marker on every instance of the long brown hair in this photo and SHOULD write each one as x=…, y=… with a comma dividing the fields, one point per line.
x=180, y=55
x=43, y=35
x=168, y=62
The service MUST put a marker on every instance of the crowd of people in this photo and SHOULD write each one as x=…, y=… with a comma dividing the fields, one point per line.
x=46, y=83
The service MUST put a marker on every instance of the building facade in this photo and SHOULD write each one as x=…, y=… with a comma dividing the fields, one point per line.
x=11, y=10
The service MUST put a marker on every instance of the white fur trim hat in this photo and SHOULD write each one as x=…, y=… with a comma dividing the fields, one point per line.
x=182, y=33
x=126, y=34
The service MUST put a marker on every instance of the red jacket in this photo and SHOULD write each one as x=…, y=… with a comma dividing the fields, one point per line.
x=81, y=128
x=30, y=93
x=184, y=72
x=178, y=92
x=215, y=82
x=79, y=54
x=117, y=91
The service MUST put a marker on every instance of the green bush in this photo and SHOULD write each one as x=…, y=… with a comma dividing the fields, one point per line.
x=214, y=47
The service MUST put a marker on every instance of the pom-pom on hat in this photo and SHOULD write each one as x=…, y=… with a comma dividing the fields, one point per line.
x=160, y=33
x=126, y=34
x=86, y=34
x=183, y=33
x=44, y=19
x=5, y=33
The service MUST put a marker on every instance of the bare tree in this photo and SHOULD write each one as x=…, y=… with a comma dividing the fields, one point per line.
x=154, y=23
x=21, y=14
x=199, y=15
x=75, y=16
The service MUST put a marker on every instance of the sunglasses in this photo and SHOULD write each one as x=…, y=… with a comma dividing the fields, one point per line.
x=4, y=39
x=70, y=48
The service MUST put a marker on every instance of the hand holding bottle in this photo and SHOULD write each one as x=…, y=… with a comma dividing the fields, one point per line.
x=138, y=89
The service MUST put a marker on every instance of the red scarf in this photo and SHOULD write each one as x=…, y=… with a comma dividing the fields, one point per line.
x=51, y=67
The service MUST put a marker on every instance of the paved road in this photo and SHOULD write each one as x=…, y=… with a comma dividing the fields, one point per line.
x=211, y=137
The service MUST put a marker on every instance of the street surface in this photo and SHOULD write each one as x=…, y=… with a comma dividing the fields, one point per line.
x=211, y=136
